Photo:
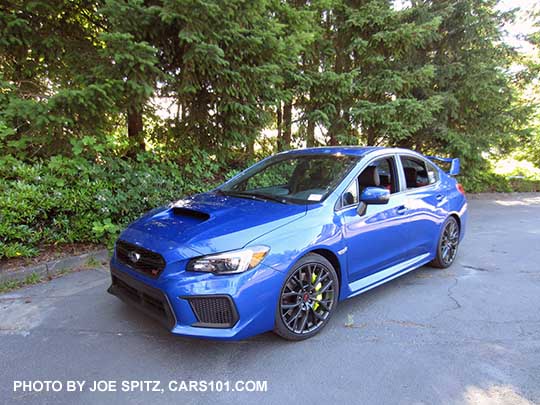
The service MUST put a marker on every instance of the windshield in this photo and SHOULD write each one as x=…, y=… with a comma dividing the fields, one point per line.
x=297, y=179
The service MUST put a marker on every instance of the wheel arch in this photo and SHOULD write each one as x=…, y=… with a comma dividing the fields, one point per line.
x=332, y=258
x=458, y=219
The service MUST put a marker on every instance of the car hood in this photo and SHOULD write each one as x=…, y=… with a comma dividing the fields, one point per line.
x=208, y=223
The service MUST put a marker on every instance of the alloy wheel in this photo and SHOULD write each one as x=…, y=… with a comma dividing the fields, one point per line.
x=307, y=298
x=449, y=242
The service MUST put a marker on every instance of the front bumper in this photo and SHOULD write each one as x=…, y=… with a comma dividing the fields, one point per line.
x=146, y=299
x=189, y=303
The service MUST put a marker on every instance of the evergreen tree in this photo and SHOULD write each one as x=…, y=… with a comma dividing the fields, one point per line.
x=472, y=75
x=433, y=76
x=532, y=91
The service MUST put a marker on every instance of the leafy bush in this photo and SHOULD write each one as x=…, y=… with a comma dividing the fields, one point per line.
x=66, y=200
x=478, y=181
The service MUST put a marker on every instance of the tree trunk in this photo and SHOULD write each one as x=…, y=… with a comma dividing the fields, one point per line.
x=335, y=129
x=332, y=133
x=135, y=132
x=340, y=127
x=250, y=148
x=279, y=119
x=371, y=137
x=310, y=133
x=287, y=125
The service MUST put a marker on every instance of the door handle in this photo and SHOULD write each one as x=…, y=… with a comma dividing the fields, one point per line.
x=439, y=197
x=401, y=210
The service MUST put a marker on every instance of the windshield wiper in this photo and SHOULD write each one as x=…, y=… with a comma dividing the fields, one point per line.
x=253, y=196
x=241, y=195
x=271, y=197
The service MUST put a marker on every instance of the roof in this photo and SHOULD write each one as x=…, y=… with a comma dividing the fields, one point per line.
x=345, y=150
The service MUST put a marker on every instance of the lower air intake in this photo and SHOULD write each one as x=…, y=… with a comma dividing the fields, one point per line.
x=214, y=311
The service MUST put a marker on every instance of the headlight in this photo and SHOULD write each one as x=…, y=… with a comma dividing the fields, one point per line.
x=236, y=261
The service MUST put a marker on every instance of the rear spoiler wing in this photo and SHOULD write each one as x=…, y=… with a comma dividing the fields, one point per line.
x=454, y=164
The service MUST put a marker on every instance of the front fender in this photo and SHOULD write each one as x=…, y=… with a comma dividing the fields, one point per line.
x=289, y=243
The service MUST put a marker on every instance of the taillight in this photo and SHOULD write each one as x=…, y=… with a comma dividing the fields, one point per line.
x=460, y=188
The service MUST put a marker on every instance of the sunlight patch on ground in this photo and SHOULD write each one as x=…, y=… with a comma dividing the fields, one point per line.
x=520, y=202
x=494, y=395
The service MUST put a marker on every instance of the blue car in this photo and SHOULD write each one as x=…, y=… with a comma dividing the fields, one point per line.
x=280, y=244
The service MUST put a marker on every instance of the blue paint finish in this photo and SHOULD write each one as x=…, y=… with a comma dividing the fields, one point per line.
x=375, y=195
x=387, y=241
x=455, y=165
x=376, y=240
x=232, y=223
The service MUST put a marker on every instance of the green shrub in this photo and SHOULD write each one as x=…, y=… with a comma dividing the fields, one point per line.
x=484, y=181
x=66, y=200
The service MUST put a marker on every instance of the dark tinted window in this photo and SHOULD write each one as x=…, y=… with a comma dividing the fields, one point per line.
x=349, y=197
x=386, y=170
x=417, y=172
x=387, y=173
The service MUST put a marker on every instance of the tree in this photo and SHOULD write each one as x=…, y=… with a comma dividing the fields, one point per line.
x=433, y=76
x=67, y=74
x=300, y=21
x=472, y=76
x=47, y=93
x=361, y=76
x=531, y=96
x=221, y=62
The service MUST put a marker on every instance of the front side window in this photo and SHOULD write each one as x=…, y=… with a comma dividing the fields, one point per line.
x=349, y=197
x=386, y=169
x=417, y=172
x=292, y=178
x=380, y=173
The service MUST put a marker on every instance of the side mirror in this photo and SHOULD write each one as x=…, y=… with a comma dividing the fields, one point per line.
x=372, y=195
x=375, y=195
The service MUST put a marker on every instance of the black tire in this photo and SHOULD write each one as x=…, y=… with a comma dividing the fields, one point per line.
x=307, y=299
x=448, y=244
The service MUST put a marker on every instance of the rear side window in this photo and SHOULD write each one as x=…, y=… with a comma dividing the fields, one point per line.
x=418, y=173
x=433, y=173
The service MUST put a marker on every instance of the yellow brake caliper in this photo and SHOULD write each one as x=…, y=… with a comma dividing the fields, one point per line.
x=317, y=288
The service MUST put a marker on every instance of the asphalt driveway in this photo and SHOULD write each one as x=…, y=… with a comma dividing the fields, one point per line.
x=468, y=334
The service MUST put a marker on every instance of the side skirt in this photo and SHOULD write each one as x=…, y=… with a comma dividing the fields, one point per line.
x=381, y=277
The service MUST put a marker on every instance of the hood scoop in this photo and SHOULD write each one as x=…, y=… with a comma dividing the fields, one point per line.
x=187, y=212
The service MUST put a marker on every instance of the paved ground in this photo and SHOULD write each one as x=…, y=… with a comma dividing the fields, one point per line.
x=470, y=334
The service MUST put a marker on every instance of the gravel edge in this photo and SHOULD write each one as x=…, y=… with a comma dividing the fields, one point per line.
x=55, y=267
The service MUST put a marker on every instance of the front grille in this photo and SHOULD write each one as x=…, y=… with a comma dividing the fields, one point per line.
x=133, y=294
x=149, y=263
x=148, y=299
x=214, y=311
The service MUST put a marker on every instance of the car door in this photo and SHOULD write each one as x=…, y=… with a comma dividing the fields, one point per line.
x=374, y=240
x=425, y=203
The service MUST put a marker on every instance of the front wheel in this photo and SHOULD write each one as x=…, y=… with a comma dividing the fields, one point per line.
x=448, y=244
x=307, y=299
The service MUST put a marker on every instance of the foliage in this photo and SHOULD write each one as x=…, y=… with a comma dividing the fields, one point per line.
x=221, y=63
x=531, y=93
x=433, y=76
x=85, y=144
x=77, y=200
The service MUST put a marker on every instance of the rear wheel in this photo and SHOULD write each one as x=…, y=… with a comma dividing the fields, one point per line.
x=448, y=244
x=307, y=299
